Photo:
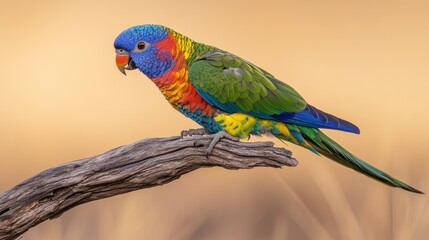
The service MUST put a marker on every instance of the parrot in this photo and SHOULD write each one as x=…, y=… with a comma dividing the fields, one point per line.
x=233, y=98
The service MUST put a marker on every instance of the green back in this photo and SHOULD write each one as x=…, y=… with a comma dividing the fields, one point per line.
x=235, y=85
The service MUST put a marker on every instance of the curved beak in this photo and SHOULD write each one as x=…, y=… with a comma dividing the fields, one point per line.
x=122, y=62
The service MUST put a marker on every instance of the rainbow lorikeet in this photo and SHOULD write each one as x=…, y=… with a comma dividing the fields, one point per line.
x=231, y=97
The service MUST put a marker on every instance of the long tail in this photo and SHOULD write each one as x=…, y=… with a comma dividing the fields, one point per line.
x=318, y=142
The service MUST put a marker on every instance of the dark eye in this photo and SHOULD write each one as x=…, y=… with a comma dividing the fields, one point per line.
x=141, y=45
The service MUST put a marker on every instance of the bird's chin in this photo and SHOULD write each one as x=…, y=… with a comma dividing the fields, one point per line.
x=131, y=65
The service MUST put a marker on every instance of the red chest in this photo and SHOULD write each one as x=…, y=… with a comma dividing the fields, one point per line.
x=180, y=92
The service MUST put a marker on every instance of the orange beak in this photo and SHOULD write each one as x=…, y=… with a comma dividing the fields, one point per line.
x=121, y=62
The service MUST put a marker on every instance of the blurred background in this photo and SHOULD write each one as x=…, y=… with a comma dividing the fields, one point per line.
x=62, y=99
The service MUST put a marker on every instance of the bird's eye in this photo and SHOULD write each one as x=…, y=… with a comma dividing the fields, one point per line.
x=141, y=46
x=120, y=51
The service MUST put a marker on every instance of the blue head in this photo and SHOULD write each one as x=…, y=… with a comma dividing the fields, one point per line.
x=137, y=47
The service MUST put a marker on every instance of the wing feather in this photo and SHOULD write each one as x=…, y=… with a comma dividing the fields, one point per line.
x=231, y=83
x=234, y=85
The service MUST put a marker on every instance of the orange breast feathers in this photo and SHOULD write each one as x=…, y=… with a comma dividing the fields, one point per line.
x=175, y=85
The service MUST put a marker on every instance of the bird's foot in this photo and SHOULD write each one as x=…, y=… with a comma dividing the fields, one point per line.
x=216, y=138
x=192, y=132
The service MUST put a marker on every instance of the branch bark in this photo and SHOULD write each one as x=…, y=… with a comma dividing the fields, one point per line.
x=143, y=164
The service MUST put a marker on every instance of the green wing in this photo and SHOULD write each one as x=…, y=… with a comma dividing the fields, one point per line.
x=235, y=85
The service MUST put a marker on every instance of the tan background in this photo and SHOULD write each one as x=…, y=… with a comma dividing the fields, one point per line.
x=62, y=98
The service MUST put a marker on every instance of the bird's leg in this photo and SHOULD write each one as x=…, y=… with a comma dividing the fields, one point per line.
x=191, y=132
x=216, y=138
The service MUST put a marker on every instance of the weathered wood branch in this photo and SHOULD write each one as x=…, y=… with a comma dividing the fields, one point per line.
x=144, y=164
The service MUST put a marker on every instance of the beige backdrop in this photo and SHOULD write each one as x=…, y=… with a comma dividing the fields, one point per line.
x=62, y=98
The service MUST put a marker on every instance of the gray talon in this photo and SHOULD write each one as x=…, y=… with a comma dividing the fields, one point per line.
x=192, y=132
x=184, y=133
x=198, y=144
x=216, y=138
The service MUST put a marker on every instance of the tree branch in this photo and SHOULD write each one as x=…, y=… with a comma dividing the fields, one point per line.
x=146, y=163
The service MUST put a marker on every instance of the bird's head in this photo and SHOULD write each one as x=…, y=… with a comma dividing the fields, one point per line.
x=144, y=47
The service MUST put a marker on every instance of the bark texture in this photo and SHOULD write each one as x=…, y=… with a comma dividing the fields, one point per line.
x=143, y=164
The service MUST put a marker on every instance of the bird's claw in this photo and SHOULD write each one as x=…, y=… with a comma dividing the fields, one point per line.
x=216, y=138
x=192, y=132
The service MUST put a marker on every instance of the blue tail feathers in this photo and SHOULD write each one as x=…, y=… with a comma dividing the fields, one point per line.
x=313, y=117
